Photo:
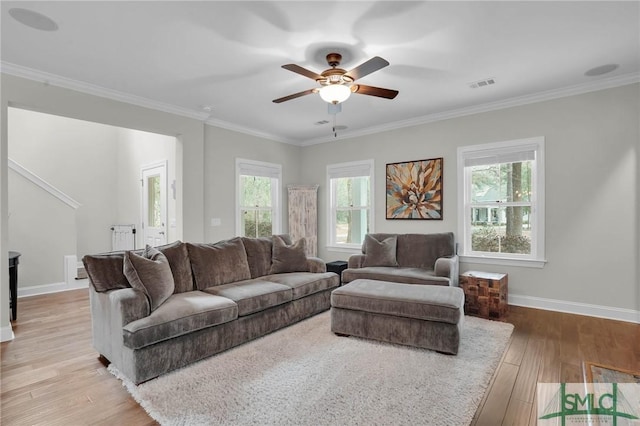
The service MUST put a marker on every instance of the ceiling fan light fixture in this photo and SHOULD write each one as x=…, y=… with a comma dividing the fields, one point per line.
x=335, y=93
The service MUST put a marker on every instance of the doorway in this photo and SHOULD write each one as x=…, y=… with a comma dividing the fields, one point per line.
x=154, y=203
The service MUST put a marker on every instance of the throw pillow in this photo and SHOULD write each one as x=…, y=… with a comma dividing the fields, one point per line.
x=380, y=253
x=151, y=274
x=178, y=258
x=220, y=263
x=288, y=258
x=105, y=271
x=258, y=255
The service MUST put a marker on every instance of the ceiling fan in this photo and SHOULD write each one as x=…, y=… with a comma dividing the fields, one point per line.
x=338, y=84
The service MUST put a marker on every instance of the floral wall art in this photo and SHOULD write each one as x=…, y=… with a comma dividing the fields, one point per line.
x=414, y=189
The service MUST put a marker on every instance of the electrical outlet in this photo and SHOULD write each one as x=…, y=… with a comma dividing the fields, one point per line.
x=216, y=221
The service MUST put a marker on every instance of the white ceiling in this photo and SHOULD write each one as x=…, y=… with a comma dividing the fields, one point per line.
x=182, y=56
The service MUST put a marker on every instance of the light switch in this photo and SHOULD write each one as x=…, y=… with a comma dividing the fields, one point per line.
x=216, y=221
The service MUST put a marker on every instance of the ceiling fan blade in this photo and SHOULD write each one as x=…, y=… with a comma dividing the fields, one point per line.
x=295, y=95
x=373, y=64
x=302, y=71
x=375, y=91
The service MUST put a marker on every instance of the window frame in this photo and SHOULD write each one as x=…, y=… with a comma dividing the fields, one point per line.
x=503, y=149
x=245, y=167
x=346, y=170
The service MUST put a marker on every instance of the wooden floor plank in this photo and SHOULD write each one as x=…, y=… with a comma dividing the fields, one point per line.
x=518, y=413
x=525, y=385
x=51, y=375
x=495, y=407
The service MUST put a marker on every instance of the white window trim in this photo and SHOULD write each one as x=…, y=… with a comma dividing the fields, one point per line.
x=343, y=170
x=537, y=258
x=260, y=168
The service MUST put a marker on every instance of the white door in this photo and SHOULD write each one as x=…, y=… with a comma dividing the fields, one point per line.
x=154, y=204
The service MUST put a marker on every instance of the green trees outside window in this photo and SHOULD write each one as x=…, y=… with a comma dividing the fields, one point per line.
x=256, y=206
x=501, y=207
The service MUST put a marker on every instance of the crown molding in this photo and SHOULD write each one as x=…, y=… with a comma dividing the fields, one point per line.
x=246, y=130
x=92, y=89
x=67, y=83
x=578, y=89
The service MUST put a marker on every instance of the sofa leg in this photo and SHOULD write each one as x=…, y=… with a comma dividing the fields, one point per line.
x=103, y=360
x=341, y=334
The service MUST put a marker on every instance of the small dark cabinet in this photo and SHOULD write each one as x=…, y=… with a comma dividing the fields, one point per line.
x=337, y=266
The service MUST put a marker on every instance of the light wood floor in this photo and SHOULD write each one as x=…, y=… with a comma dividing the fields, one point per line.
x=51, y=374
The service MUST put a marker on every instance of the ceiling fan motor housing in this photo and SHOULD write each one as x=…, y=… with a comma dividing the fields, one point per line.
x=333, y=59
x=334, y=76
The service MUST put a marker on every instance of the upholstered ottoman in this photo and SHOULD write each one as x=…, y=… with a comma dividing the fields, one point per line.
x=424, y=316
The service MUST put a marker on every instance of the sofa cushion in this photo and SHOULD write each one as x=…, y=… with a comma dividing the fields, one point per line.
x=180, y=314
x=105, y=271
x=424, y=302
x=305, y=283
x=151, y=274
x=394, y=274
x=220, y=263
x=380, y=253
x=288, y=258
x=253, y=295
x=178, y=257
x=258, y=255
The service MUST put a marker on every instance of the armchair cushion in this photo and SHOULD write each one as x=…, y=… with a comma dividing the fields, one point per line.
x=399, y=275
x=380, y=253
x=151, y=274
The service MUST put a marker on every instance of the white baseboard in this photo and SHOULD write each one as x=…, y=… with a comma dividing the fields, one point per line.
x=6, y=333
x=620, y=314
x=52, y=288
x=70, y=281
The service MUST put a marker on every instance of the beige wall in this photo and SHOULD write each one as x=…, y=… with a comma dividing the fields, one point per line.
x=591, y=188
x=222, y=147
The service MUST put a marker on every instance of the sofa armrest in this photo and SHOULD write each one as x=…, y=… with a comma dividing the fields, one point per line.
x=447, y=267
x=110, y=312
x=356, y=261
x=316, y=265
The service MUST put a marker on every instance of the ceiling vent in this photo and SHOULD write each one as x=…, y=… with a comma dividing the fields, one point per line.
x=321, y=122
x=482, y=83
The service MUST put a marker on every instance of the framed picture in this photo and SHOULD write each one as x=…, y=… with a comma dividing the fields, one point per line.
x=414, y=190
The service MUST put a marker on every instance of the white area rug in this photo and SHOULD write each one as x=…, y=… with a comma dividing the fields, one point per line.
x=306, y=375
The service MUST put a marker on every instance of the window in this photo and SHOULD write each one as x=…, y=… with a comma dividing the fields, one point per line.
x=350, y=204
x=501, y=202
x=258, y=198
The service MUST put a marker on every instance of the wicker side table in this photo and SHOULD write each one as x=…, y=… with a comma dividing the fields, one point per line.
x=485, y=293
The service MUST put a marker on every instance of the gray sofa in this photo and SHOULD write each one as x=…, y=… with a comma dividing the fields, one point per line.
x=149, y=318
x=406, y=258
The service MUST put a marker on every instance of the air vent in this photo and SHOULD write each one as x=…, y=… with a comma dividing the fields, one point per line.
x=482, y=83
x=321, y=122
